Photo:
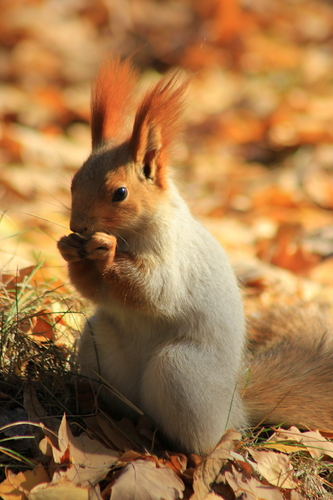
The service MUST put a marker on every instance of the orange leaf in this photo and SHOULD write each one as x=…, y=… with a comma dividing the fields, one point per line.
x=16, y=486
x=42, y=329
x=142, y=479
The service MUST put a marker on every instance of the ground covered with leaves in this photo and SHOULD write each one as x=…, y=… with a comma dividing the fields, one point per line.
x=255, y=163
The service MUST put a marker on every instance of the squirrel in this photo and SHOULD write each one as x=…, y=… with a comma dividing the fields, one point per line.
x=169, y=331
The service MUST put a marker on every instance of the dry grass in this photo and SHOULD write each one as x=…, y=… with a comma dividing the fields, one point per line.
x=32, y=362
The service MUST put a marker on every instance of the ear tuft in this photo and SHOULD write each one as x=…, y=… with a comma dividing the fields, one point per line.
x=111, y=100
x=157, y=123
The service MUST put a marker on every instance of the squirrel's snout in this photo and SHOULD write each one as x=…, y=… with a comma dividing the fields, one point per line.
x=81, y=227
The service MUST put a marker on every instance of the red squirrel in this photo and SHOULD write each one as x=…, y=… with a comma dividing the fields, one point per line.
x=169, y=329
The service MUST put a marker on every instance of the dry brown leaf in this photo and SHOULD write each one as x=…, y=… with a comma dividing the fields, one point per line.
x=64, y=490
x=226, y=17
x=285, y=441
x=113, y=432
x=32, y=405
x=326, y=433
x=241, y=127
x=316, y=444
x=275, y=468
x=93, y=428
x=42, y=329
x=251, y=488
x=142, y=480
x=10, y=279
x=131, y=456
x=282, y=447
x=90, y=460
x=17, y=486
x=213, y=496
x=245, y=465
x=319, y=186
x=323, y=273
x=93, y=466
x=286, y=249
x=295, y=495
x=274, y=196
x=178, y=462
x=36, y=276
x=35, y=410
x=207, y=472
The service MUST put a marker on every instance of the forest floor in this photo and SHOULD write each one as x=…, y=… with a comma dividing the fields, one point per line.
x=255, y=163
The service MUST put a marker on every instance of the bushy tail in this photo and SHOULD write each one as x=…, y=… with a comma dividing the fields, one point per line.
x=289, y=380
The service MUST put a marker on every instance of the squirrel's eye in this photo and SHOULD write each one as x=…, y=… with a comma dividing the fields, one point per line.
x=120, y=194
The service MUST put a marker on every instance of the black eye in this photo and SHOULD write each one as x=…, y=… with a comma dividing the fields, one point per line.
x=120, y=194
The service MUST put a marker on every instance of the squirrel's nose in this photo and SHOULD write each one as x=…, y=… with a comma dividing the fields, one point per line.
x=75, y=228
x=81, y=227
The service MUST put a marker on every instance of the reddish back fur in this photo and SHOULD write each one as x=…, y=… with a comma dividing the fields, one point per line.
x=111, y=100
x=160, y=113
x=290, y=369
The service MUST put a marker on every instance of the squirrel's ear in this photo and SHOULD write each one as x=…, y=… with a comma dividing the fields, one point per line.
x=111, y=100
x=157, y=122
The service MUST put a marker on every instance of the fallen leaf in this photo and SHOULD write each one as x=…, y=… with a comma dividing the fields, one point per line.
x=213, y=496
x=294, y=495
x=323, y=272
x=208, y=471
x=318, y=184
x=131, y=456
x=11, y=279
x=275, y=468
x=316, y=444
x=88, y=461
x=93, y=428
x=326, y=433
x=285, y=441
x=178, y=463
x=286, y=249
x=143, y=480
x=42, y=329
x=17, y=486
x=251, y=488
x=283, y=447
x=35, y=410
x=64, y=490
x=114, y=432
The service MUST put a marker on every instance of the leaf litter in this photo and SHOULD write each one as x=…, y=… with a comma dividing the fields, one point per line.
x=256, y=166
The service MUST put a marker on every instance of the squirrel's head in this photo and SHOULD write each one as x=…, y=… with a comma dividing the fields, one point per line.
x=124, y=178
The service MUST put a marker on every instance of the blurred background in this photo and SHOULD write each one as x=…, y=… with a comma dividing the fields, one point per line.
x=255, y=160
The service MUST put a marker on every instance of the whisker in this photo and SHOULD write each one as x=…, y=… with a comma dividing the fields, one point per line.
x=120, y=237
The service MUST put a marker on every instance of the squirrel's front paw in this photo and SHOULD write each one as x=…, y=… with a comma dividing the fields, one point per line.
x=100, y=246
x=72, y=247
